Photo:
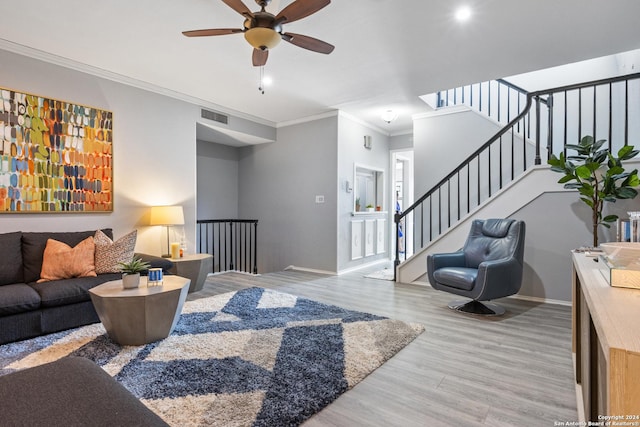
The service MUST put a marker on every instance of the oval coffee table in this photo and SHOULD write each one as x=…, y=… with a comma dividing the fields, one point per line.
x=141, y=315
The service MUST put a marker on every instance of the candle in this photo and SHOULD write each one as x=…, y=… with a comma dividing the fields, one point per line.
x=175, y=250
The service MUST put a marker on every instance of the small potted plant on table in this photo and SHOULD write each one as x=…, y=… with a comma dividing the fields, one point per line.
x=131, y=272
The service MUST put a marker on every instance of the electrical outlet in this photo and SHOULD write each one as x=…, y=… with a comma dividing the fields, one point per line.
x=319, y=199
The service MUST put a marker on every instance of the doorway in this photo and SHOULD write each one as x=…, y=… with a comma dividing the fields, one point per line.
x=402, y=198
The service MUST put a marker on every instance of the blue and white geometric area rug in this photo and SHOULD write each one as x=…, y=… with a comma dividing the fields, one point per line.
x=251, y=357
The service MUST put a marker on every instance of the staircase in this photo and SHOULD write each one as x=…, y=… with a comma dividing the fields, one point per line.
x=514, y=159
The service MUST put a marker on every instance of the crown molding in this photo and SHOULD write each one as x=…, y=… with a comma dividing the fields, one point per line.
x=307, y=119
x=120, y=78
x=363, y=123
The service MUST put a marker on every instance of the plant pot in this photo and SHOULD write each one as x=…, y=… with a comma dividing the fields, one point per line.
x=130, y=281
x=369, y=209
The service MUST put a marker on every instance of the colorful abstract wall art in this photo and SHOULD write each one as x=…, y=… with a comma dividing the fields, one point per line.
x=55, y=156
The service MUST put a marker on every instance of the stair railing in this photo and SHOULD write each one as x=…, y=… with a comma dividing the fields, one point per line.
x=232, y=242
x=552, y=118
x=498, y=99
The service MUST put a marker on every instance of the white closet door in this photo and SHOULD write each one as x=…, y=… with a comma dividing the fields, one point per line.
x=380, y=233
x=356, y=239
x=369, y=237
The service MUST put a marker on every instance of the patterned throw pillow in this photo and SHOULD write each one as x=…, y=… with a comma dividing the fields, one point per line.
x=110, y=253
x=61, y=261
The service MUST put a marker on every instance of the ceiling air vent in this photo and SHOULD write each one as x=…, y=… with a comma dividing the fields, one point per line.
x=216, y=117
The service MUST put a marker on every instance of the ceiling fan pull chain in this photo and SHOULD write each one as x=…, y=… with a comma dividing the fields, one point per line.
x=260, y=86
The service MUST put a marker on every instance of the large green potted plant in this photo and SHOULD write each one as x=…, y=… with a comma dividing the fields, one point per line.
x=598, y=176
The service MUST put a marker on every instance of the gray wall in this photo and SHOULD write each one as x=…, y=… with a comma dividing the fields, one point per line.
x=278, y=183
x=154, y=150
x=218, y=167
x=351, y=150
x=549, y=241
x=442, y=142
x=557, y=223
x=401, y=142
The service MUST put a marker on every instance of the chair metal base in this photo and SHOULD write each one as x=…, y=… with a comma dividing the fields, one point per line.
x=477, y=308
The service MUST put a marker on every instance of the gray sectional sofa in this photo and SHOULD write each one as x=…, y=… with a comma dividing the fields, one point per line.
x=29, y=309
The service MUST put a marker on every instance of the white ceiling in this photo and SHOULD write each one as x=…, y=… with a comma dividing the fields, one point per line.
x=388, y=52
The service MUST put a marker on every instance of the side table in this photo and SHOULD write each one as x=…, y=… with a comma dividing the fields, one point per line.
x=195, y=267
x=141, y=315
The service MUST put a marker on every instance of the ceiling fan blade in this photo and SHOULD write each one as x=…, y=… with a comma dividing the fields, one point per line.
x=211, y=32
x=300, y=9
x=309, y=43
x=239, y=7
x=259, y=57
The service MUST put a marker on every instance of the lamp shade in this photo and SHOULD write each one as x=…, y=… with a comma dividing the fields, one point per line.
x=167, y=215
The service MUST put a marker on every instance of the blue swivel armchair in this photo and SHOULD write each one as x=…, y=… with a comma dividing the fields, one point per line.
x=489, y=266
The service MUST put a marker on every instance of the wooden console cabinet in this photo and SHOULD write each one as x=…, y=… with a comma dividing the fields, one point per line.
x=606, y=343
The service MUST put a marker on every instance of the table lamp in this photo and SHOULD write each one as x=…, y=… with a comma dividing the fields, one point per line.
x=167, y=216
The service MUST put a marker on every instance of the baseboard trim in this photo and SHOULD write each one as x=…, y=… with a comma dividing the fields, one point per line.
x=340, y=272
x=310, y=270
x=360, y=267
x=542, y=300
x=521, y=297
x=218, y=273
x=421, y=283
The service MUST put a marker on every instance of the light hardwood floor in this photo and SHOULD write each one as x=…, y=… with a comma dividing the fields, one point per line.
x=515, y=370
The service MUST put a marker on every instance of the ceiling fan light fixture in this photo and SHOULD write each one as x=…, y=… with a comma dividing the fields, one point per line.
x=389, y=116
x=262, y=38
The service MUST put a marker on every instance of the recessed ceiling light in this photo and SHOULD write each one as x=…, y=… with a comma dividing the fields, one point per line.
x=463, y=13
x=267, y=81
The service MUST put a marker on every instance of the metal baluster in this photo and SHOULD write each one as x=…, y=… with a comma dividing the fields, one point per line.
x=537, y=160
x=448, y=203
x=579, y=113
x=500, y=160
x=610, y=114
x=458, y=180
x=478, y=157
x=626, y=113
x=549, y=126
x=255, y=248
x=439, y=211
x=422, y=220
x=564, y=149
x=594, y=111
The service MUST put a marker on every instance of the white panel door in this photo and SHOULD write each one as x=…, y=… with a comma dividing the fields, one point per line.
x=356, y=239
x=369, y=237
x=380, y=233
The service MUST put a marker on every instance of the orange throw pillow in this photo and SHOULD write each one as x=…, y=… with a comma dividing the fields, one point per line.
x=60, y=261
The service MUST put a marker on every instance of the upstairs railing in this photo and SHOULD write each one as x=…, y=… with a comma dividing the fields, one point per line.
x=498, y=99
x=232, y=242
x=607, y=109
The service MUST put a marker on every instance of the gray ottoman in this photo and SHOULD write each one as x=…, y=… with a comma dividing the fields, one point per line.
x=72, y=391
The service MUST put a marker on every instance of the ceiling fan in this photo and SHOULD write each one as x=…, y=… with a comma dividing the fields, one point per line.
x=263, y=30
